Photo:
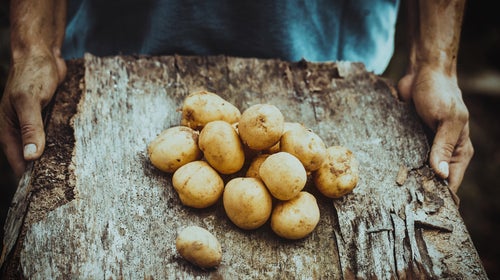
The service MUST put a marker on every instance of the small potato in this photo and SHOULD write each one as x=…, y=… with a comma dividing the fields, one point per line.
x=297, y=217
x=222, y=147
x=261, y=126
x=283, y=174
x=338, y=175
x=202, y=107
x=198, y=184
x=287, y=127
x=247, y=202
x=173, y=148
x=293, y=126
x=249, y=153
x=253, y=169
x=306, y=145
x=198, y=246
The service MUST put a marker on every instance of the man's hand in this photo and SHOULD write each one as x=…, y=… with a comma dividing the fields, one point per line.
x=36, y=68
x=431, y=83
x=438, y=101
x=30, y=86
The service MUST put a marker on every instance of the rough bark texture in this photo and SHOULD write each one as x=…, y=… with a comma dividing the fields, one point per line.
x=94, y=207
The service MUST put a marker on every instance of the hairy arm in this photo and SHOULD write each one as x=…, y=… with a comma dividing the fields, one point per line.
x=36, y=69
x=431, y=84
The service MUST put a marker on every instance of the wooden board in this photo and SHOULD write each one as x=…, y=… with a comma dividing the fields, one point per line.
x=94, y=207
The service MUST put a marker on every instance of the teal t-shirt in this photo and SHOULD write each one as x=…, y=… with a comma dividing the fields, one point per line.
x=315, y=30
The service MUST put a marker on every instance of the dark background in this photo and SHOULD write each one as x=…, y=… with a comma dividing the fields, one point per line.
x=479, y=76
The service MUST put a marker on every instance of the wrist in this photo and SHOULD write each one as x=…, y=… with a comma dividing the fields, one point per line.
x=36, y=56
x=436, y=60
x=22, y=50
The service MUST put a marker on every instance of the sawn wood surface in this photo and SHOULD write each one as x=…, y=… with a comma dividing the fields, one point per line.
x=94, y=207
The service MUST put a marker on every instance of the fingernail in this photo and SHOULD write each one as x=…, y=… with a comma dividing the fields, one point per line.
x=29, y=150
x=444, y=168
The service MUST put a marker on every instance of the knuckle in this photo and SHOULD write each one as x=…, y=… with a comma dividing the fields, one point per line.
x=19, y=97
x=447, y=149
x=26, y=102
x=29, y=130
x=463, y=114
x=450, y=111
x=34, y=90
x=469, y=150
x=29, y=97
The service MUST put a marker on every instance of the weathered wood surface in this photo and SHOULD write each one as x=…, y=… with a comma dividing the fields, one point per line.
x=93, y=207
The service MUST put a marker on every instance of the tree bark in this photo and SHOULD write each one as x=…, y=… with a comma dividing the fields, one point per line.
x=94, y=207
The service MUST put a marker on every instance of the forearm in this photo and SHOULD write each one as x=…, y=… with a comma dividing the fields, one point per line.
x=435, y=27
x=37, y=27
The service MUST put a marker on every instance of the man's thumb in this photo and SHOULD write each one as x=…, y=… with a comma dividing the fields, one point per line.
x=445, y=140
x=32, y=131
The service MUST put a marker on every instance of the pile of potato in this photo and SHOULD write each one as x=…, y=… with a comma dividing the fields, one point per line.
x=272, y=159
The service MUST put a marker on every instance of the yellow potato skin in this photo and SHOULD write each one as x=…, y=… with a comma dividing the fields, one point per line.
x=253, y=168
x=202, y=107
x=283, y=174
x=247, y=202
x=261, y=126
x=198, y=246
x=287, y=127
x=222, y=147
x=198, y=184
x=174, y=147
x=306, y=145
x=339, y=173
x=297, y=217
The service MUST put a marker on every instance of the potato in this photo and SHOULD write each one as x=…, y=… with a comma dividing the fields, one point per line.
x=338, y=175
x=198, y=246
x=306, y=145
x=261, y=126
x=249, y=153
x=198, y=184
x=283, y=174
x=295, y=218
x=202, y=107
x=222, y=147
x=173, y=148
x=253, y=168
x=247, y=202
x=288, y=126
